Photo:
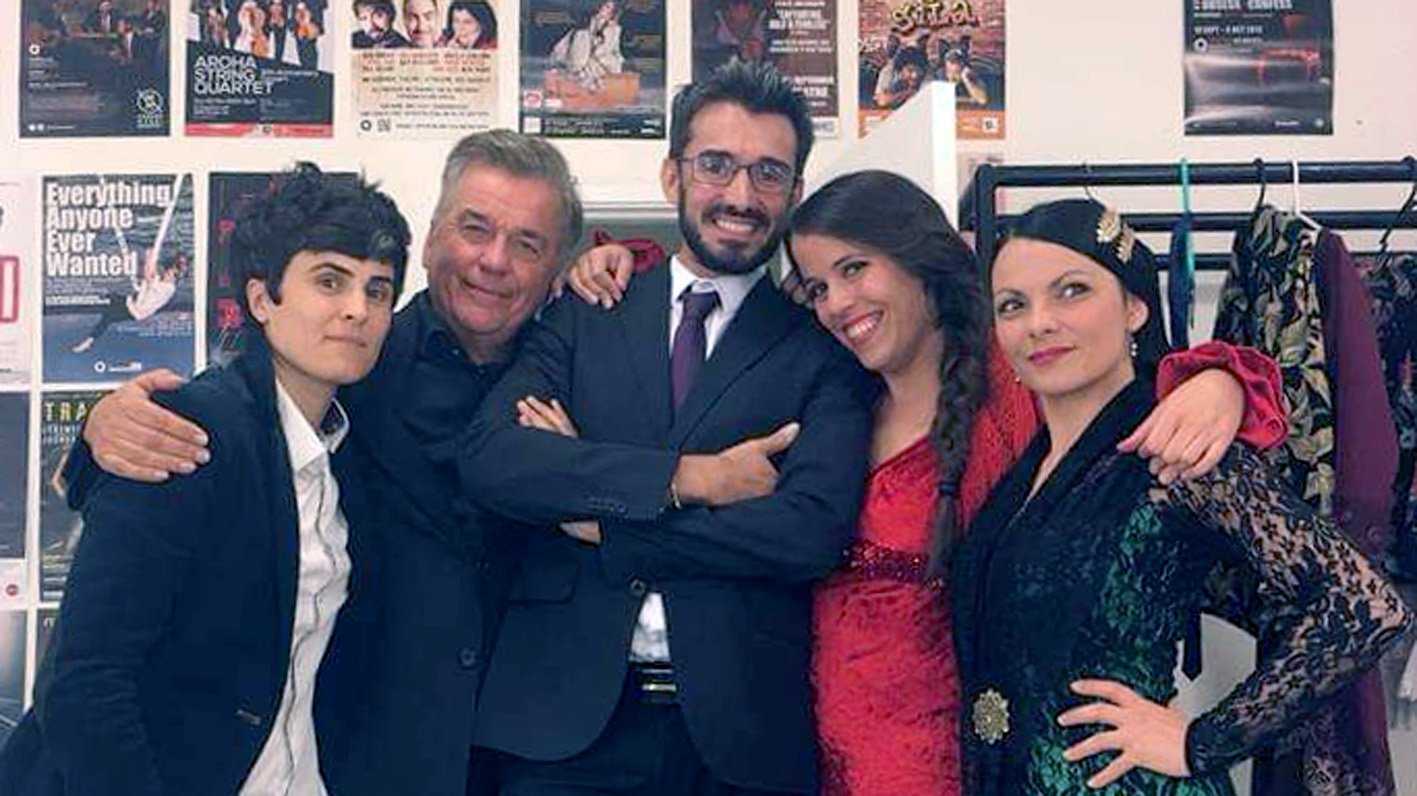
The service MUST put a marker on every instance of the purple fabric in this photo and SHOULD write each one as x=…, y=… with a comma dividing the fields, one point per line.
x=1343, y=748
x=690, y=343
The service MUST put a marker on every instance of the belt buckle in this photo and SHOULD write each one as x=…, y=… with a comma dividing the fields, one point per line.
x=991, y=716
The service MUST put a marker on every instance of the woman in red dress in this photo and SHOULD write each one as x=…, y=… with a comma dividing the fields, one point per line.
x=886, y=274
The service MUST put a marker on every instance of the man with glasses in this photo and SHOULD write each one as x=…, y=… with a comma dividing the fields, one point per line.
x=660, y=644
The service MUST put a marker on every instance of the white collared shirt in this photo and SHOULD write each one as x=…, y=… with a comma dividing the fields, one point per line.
x=289, y=763
x=651, y=640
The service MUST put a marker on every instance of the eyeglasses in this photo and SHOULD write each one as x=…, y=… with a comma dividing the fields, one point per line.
x=720, y=168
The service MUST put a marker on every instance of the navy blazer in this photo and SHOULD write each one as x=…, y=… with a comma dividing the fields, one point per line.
x=444, y=574
x=172, y=647
x=737, y=581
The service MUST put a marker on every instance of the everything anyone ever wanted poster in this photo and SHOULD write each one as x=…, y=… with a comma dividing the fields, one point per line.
x=117, y=255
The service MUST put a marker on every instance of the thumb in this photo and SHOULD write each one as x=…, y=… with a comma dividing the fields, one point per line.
x=781, y=439
x=621, y=269
x=158, y=380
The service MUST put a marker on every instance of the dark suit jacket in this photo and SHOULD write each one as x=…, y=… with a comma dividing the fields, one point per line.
x=443, y=583
x=173, y=642
x=737, y=581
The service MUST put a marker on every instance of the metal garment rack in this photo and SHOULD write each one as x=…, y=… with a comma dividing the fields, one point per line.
x=988, y=179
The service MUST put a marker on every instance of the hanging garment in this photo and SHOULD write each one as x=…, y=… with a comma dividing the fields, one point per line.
x=1180, y=285
x=1391, y=281
x=1274, y=300
x=1270, y=302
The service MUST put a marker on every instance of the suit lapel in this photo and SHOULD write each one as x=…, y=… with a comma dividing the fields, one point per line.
x=764, y=319
x=644, y=317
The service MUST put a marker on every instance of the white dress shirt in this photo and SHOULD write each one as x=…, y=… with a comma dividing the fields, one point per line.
x=289, y=763
x=650, y=643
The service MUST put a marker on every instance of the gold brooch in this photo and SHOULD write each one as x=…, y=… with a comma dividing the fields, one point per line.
x=1111, y=228
x=991, y=716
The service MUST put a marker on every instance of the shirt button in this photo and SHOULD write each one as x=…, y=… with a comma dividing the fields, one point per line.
x=468, y=658
x=638, y=587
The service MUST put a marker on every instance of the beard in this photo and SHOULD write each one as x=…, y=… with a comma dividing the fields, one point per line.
x=737, y=259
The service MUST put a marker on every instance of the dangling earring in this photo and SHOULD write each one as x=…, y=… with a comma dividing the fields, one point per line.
x=1132, y=345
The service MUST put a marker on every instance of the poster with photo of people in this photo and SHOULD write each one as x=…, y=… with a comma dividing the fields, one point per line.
x=229, y=193
x=424, y=68
x=905, y=43
x=61, y=415
x=94, y=68
x=14, y=473
x=593, y=68
x=1259, y=68
x=117, y=294
x=17, y=272
x=798, y=37
x=260, y=68
x=12, y=671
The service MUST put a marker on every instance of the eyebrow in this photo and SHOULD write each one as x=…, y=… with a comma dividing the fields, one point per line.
x=327, y=265
x=469, y=213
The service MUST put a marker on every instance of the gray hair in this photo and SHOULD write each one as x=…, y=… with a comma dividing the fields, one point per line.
x=521, y=156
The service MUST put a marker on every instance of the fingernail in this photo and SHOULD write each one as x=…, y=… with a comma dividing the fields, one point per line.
x=203, y=456
x=186, y=468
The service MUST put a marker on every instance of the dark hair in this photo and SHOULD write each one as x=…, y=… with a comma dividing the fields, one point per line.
x=386, y=7
x=891, y=215
x=911, y=56
x=313, y=211
x=1099, y=233
x=480, y=11
x=754, y=86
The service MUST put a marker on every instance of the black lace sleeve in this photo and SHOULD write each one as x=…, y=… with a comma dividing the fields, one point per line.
x=1327, y=611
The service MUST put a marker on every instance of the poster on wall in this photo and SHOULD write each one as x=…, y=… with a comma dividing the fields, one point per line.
x=60, y=416
x=117, y=276
x=593, y=68
x=12, y=671
x=907, y=42
x=260, y=68
x=1259, y=67
x=94, y=68
x=427, y=69
x=17, y=272
x=796, y=36
x=14, y=473
x=228, y=195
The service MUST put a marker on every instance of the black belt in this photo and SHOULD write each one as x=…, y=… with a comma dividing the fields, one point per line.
x=653, y=682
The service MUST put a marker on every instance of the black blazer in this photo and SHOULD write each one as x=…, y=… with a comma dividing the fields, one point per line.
x=173, y=642
x=444, y=575
x=737, y=581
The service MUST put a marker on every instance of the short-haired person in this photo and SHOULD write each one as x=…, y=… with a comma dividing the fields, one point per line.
x=376, y=26
x=422, y=21
x=190, y=651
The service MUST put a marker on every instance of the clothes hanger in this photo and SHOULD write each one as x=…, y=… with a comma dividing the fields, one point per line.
x=1298, y=205
x=1404, y=209
x=1087, y=183
x=1264, y=183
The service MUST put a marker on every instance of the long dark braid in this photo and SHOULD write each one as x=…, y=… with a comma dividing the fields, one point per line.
x=890, y=214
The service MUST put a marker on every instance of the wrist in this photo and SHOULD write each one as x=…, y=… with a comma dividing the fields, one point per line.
x=686, y=486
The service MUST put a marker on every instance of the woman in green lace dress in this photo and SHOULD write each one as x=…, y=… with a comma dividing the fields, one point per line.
x=1082, y=572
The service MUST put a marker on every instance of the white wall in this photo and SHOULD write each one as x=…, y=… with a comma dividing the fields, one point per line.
x=1097, y=81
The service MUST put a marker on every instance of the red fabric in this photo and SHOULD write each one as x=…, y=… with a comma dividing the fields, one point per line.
x=1265, y=423
x=887, y=688
x=646, y=252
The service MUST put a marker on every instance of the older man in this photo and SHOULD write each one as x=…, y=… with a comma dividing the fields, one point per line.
x=422, y=22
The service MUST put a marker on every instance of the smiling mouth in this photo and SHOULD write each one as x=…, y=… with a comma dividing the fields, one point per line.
x=861, y=328
x=482, y=291
x=734, y=225
x=1049, y=355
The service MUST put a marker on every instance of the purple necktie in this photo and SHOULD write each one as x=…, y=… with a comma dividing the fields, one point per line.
x=690, y=342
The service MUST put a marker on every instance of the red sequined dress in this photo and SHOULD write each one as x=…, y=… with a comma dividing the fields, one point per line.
x=883, y=660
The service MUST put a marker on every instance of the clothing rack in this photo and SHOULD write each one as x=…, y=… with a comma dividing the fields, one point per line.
x=989, y=224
